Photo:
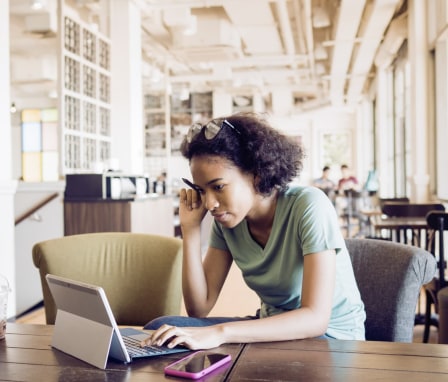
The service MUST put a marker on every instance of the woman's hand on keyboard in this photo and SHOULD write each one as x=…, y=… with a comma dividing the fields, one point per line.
x=193, y=338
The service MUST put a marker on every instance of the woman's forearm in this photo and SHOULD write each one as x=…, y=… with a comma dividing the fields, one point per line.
x=194, y=283
x=296, y=324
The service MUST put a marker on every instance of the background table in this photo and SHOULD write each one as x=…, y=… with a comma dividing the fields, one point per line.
x=398, y=228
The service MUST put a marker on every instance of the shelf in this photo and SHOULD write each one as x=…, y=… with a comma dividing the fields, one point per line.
x=184, y=112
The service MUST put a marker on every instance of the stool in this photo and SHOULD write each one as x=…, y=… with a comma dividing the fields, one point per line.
x=442, y=296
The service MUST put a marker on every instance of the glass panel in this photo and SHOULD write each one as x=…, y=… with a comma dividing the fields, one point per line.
x=49, y=136
x=104, y=121
x=336, y=149
x=72, y=117
x=104, y=57
x=72, y=75
x=104, y=151
x=89, y=150
x=49, y=115
x=32, y=167
x=89, y=117
x=31, y=137
x=50, y=166
x=89, y=81
x=71, y=33
x=104, y=88
x=86, y=93
x=31, y=115
x=89, y=46
x=72, y=152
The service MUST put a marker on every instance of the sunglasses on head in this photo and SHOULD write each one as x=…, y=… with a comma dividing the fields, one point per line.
x=211, y=129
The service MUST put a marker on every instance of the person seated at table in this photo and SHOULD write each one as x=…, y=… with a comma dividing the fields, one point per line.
x=325, y=183
x=286, y=241
x=347, y=181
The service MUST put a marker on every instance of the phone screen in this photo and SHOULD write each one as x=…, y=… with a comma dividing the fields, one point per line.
x=198, y=362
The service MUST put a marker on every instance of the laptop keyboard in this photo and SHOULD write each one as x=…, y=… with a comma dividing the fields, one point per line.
x=135, y=350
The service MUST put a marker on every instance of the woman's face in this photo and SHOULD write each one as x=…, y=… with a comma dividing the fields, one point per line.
x=226, y=191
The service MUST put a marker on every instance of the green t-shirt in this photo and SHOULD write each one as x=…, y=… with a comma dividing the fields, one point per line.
x=305, y=222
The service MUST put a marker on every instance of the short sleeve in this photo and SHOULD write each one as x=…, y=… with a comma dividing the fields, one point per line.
x=217, y=237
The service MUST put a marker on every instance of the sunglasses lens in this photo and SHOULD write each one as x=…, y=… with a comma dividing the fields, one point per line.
x=212, y=128
x=193, y=131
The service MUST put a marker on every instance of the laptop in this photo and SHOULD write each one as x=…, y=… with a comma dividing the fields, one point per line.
x=86, y=328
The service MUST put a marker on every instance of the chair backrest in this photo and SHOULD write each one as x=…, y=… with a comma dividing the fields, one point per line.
x=438, y=221
x=390, y=276
x=140, y=273
x=403, y=209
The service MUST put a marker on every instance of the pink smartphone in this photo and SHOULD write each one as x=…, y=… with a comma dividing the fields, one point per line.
x=196, y=365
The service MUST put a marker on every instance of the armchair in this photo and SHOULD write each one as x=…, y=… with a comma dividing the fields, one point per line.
x=140, y=273
x=390, y=276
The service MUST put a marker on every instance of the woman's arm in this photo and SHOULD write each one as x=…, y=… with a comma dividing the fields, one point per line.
x=310, y=320
x=202, y=280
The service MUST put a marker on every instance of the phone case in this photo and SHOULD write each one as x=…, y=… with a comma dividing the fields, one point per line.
x=172, y=369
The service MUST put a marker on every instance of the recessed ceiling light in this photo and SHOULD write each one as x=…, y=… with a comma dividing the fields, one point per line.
x=36, y=5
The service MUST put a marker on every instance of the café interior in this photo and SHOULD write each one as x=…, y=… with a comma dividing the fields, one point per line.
x=101, y=93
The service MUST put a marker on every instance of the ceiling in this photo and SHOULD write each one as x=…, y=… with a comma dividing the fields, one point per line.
x=323, y=51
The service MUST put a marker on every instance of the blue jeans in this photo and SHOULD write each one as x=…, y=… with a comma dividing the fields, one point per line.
x=182, y=321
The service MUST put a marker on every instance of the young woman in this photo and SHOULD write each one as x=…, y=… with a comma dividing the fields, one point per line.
x=286, y=241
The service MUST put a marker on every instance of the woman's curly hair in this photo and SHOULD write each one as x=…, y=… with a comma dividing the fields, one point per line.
x=258, y=149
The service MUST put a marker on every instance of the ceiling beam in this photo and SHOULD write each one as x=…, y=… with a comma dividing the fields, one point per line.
x=307, y=20
x=380, y=15
x=349, y=19
x=285, y=27
x=213, y=76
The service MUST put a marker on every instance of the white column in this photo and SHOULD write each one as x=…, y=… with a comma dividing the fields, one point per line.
x=383, y=116
x=419, y=114
x=7, y=185
x=126, y=86
x=364, y=140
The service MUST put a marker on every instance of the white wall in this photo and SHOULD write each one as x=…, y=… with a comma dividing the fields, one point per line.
x=310, y=127
x=46, y=223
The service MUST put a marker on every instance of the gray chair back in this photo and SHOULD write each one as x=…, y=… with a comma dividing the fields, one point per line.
x=390, y=276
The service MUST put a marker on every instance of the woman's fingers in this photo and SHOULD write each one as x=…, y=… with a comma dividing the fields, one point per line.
x=168, y=335
x=160, y=336
x=190, y=198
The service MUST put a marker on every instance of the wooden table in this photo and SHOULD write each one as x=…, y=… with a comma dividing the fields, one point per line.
x=26, y=355
x=337, y=360
x=398, y=227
